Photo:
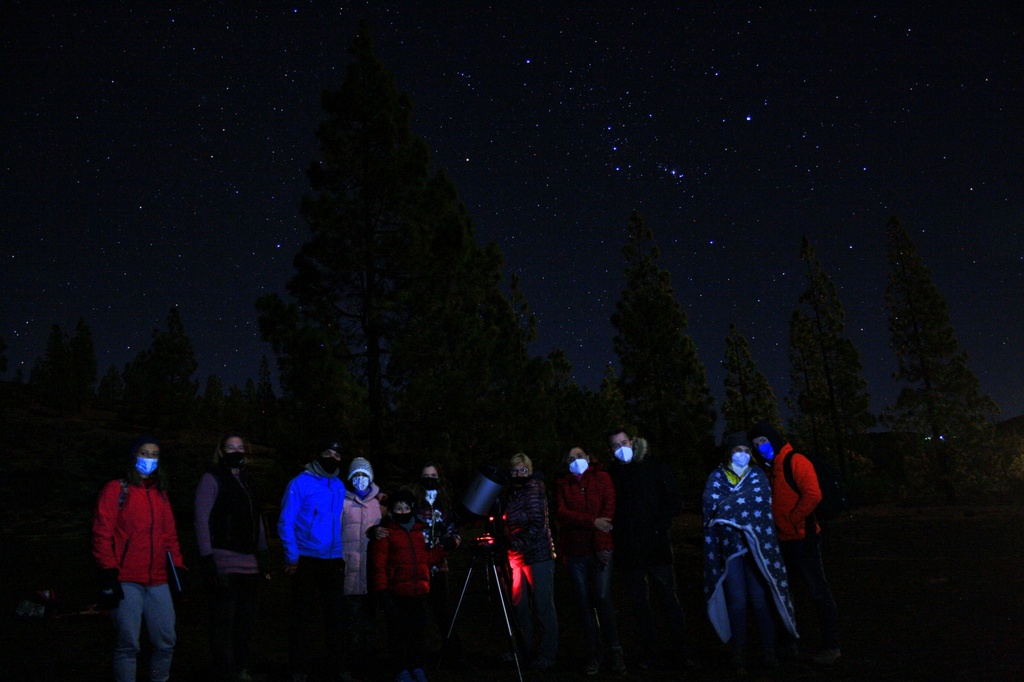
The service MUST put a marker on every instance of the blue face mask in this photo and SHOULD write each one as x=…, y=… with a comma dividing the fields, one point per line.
x=766, y=450
x=146, y=465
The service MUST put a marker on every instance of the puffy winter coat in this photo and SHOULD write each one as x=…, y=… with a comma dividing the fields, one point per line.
x=358, y=514
x=136, y=537
x=526, y=524
x=789, y=507
x=578, y=503
x=310, y=521
x=401, y=561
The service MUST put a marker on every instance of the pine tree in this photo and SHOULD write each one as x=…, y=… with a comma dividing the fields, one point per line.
x=392, y=288
x=212, y=402
x=941, y=399
x=662, y=379
x=111, y=388
x=158, y=386
x=51, y=375
x=82, y=364
x=748, y=394
x=828, y=391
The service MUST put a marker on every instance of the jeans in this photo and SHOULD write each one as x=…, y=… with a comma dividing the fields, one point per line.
x=744, y=583
x=804, y=557
x=155, y=605
x=317, y=581
x=536, y=581
x=233, y=609
x=661, y=580
x=592, y=583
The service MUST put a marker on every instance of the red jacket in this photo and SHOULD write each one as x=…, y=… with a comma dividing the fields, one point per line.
x=789, y=507
x=401, y=562
x=135, y=539
x=578, y=502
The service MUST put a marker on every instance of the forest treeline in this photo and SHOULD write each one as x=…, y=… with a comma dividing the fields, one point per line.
x=401, y=334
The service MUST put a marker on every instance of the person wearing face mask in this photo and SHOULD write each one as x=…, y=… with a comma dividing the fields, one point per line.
x=647, y=500
x=799, y=532
x=310, y=530
x=360, y=512
x=584, y=508
x=742, y=562
x=531, y=557
x=400, y=564
x=233, y=555
x=133, y=541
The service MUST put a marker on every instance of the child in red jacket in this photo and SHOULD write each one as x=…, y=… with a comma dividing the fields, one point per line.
x=399, y=574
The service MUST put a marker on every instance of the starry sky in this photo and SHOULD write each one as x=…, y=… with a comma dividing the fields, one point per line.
x=154, y=155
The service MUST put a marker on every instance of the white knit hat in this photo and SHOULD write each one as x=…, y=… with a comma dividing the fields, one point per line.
x=360, y=465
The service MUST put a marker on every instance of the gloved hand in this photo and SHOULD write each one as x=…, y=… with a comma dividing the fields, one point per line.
x=208, y=569
x=449, y=543
x=111, y=592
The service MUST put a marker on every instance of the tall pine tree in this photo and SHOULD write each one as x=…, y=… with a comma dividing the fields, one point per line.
x=748, y=394
x=392, y=295
x=828, y=391
x=663, y=381
x=941, y=400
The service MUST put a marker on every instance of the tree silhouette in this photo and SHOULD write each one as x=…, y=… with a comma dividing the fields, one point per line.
x=828, y=393
x=748, y=394
x=662, y=379
x=941, y=399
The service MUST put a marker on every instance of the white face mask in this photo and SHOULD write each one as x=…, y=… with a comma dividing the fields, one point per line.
x=740, y=460
x=361, y=483
x=624, y=454
x=431, y=496
x=578, y=466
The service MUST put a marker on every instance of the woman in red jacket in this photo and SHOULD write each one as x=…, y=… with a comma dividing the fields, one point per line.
x=399, y=573
x=584, y=507
x=133, y=541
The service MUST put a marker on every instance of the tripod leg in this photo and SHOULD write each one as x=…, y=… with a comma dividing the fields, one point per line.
x=455, y=616
x=506, y=609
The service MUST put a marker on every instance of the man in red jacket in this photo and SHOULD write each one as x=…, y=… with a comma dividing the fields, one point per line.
x=799, y=533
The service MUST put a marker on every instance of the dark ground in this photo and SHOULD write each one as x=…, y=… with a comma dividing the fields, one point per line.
x=929, y=593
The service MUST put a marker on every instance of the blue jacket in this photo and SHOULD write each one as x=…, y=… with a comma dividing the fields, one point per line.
x=310, y=522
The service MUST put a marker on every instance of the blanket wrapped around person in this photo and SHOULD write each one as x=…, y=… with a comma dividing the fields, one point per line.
x=738, y=520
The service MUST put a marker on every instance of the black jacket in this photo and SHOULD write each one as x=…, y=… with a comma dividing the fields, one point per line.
x=646, y=500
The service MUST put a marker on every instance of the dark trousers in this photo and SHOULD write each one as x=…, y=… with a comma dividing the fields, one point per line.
x=441, y=605
x=317, y=581
x=659, y=581
x=803, y=558
x=407, y=619
x=233, y=610
x=591, y=581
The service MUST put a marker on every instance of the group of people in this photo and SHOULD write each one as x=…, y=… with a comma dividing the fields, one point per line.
x=759, y=530
x=349, y=549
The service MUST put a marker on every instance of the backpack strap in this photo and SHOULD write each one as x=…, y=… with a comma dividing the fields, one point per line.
x=787, y=471
x=122, y=496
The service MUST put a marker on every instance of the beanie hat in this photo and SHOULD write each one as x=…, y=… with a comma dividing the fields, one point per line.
x=765, y=429
x=735, y=440
x=360, y=465
x=402, y=495
x=330, y=444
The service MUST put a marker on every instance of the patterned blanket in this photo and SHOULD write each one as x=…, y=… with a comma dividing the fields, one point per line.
x=738, y=520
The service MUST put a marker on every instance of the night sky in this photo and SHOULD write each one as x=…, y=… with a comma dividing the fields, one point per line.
x=155, y=155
